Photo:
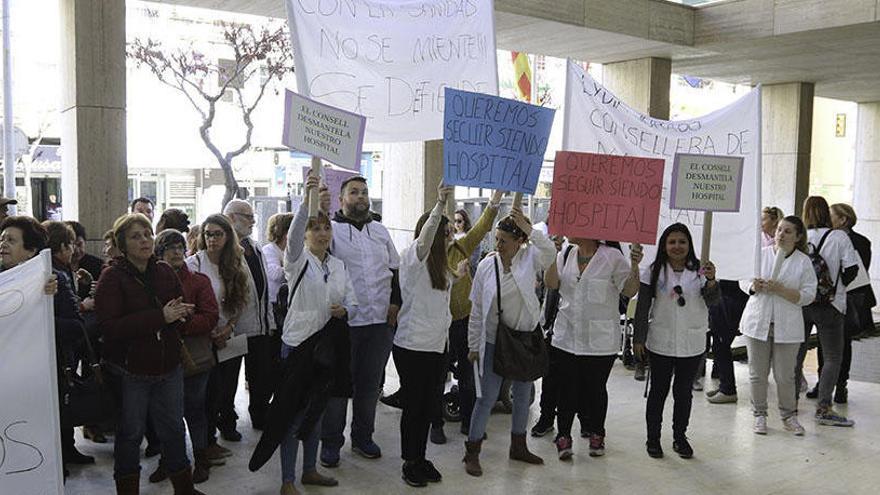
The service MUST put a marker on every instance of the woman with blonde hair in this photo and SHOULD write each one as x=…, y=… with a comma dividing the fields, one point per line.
x=770, y=217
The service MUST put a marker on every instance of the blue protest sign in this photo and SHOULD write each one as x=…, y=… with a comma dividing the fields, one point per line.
x=493, y=142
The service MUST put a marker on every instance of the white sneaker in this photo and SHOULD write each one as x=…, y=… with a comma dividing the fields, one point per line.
x=721, y=398
x=791, y=424
x=760, y=427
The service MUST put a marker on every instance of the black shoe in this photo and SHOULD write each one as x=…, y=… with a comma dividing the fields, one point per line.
x=74, y=456
x=230, y=434
x=543, y=426
x=683, y=448
x=654, y=449
x=392, y=400
x=438, y=436
x=464, y=429
x=413, y=475
x=430, y=473
x=814, y=392
x=841, y=395
x=152, y=450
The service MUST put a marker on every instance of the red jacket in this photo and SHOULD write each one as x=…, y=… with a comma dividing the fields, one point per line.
x=197, y=290
x=136, y=336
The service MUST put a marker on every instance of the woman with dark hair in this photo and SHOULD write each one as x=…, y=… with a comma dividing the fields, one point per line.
x=828, y=310
x=173, y=218
x=521, y=253
x=672, y=317
x=859, y=300
x=421, y=337
x=773, y=321
x=22, y=238
x=220, y=258
x=462, y=224
x=199, y=357
x=139, y=304
x=590, y=276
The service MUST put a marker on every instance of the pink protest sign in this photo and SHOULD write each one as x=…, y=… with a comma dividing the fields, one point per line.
x=606, y=197
x=334, y=179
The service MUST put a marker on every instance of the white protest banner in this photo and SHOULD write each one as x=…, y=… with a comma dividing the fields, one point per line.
x=596, y=121
x=390, y=60
x=323, y=131
x=706, y=183
x=30, y=447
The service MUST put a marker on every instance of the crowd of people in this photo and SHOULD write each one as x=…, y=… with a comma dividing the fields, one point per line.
x=315, y=313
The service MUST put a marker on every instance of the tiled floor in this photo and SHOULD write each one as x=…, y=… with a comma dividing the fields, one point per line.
x=729, y=457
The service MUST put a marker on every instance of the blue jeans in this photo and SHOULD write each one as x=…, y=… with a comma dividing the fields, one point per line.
x=370, y=348
x=491, y=385
x=162, y=397
x=195, y=389
x=290, y=444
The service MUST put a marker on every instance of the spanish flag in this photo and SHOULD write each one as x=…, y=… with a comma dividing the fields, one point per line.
x=522, y=74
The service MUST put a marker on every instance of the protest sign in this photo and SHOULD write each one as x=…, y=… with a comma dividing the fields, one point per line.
x=334, y=179
x=30, y=448
x=706, y=182
x=494, y=142
x=597, y=121
x=606, y=197
x=390, y=60
x=323, y=131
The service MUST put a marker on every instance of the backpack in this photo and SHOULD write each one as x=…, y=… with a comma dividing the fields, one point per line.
x=827, y=287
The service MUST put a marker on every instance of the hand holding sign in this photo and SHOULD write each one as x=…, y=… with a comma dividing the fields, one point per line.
x=519, y=218
x=444, y=192
x=636, y=253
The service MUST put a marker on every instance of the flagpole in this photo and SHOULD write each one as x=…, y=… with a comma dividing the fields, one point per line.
x=8, y=124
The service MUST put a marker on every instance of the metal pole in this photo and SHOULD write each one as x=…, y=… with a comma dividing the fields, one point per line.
x=8, y=124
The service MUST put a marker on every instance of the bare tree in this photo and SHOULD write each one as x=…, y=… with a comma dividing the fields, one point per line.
x=262, y=54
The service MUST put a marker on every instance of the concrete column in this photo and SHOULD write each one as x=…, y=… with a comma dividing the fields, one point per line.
x=867, y=180
x=787, y=130
x=412, y=173
x=643, y=84
x=93, y=160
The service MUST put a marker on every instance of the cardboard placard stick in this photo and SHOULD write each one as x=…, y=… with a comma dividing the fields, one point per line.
x=707, y=237
x=314, y=197
x=517, y=200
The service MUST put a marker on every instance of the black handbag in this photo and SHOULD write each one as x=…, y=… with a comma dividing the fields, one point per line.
x=519, y=356
x=87, y=399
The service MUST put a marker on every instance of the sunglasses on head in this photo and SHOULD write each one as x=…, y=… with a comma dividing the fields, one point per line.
x=678, y=292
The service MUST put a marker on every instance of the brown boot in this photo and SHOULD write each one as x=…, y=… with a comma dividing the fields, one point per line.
x=159, y=474
x=183, y=483
x=201, y=467
x=128, y=485
x=472, y=458
x=519, y=451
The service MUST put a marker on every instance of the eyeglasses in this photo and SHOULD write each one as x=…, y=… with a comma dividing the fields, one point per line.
x=678, y=292
x=249, y=216
x=458, y=220
x=214, y=235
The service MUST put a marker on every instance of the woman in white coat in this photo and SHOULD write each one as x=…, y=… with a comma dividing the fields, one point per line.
x=421, y=337
x=521, y=254
x=590, y=276
x=773, y=321
x=672, y=317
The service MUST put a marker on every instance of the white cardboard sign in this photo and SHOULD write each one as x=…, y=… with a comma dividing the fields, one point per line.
x=390, y=60
x=323, y=131
x=706, y=182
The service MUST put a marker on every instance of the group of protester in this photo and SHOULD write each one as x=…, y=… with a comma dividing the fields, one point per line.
x=317, y=311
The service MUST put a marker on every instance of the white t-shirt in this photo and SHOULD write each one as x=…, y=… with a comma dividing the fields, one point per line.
x=839, y=254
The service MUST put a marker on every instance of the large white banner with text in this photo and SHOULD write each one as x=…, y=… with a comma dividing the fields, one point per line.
x=30, y=446
x=596, y=121
x=390, y=60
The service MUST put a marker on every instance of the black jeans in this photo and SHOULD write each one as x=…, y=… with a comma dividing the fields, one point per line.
x=261, y=365
x=550, y=388
x=662, y=370
x=420, y=372
x=850, y=328
x=582, y=382
x=220, y=401
x=722, y=364
x=464, y=372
